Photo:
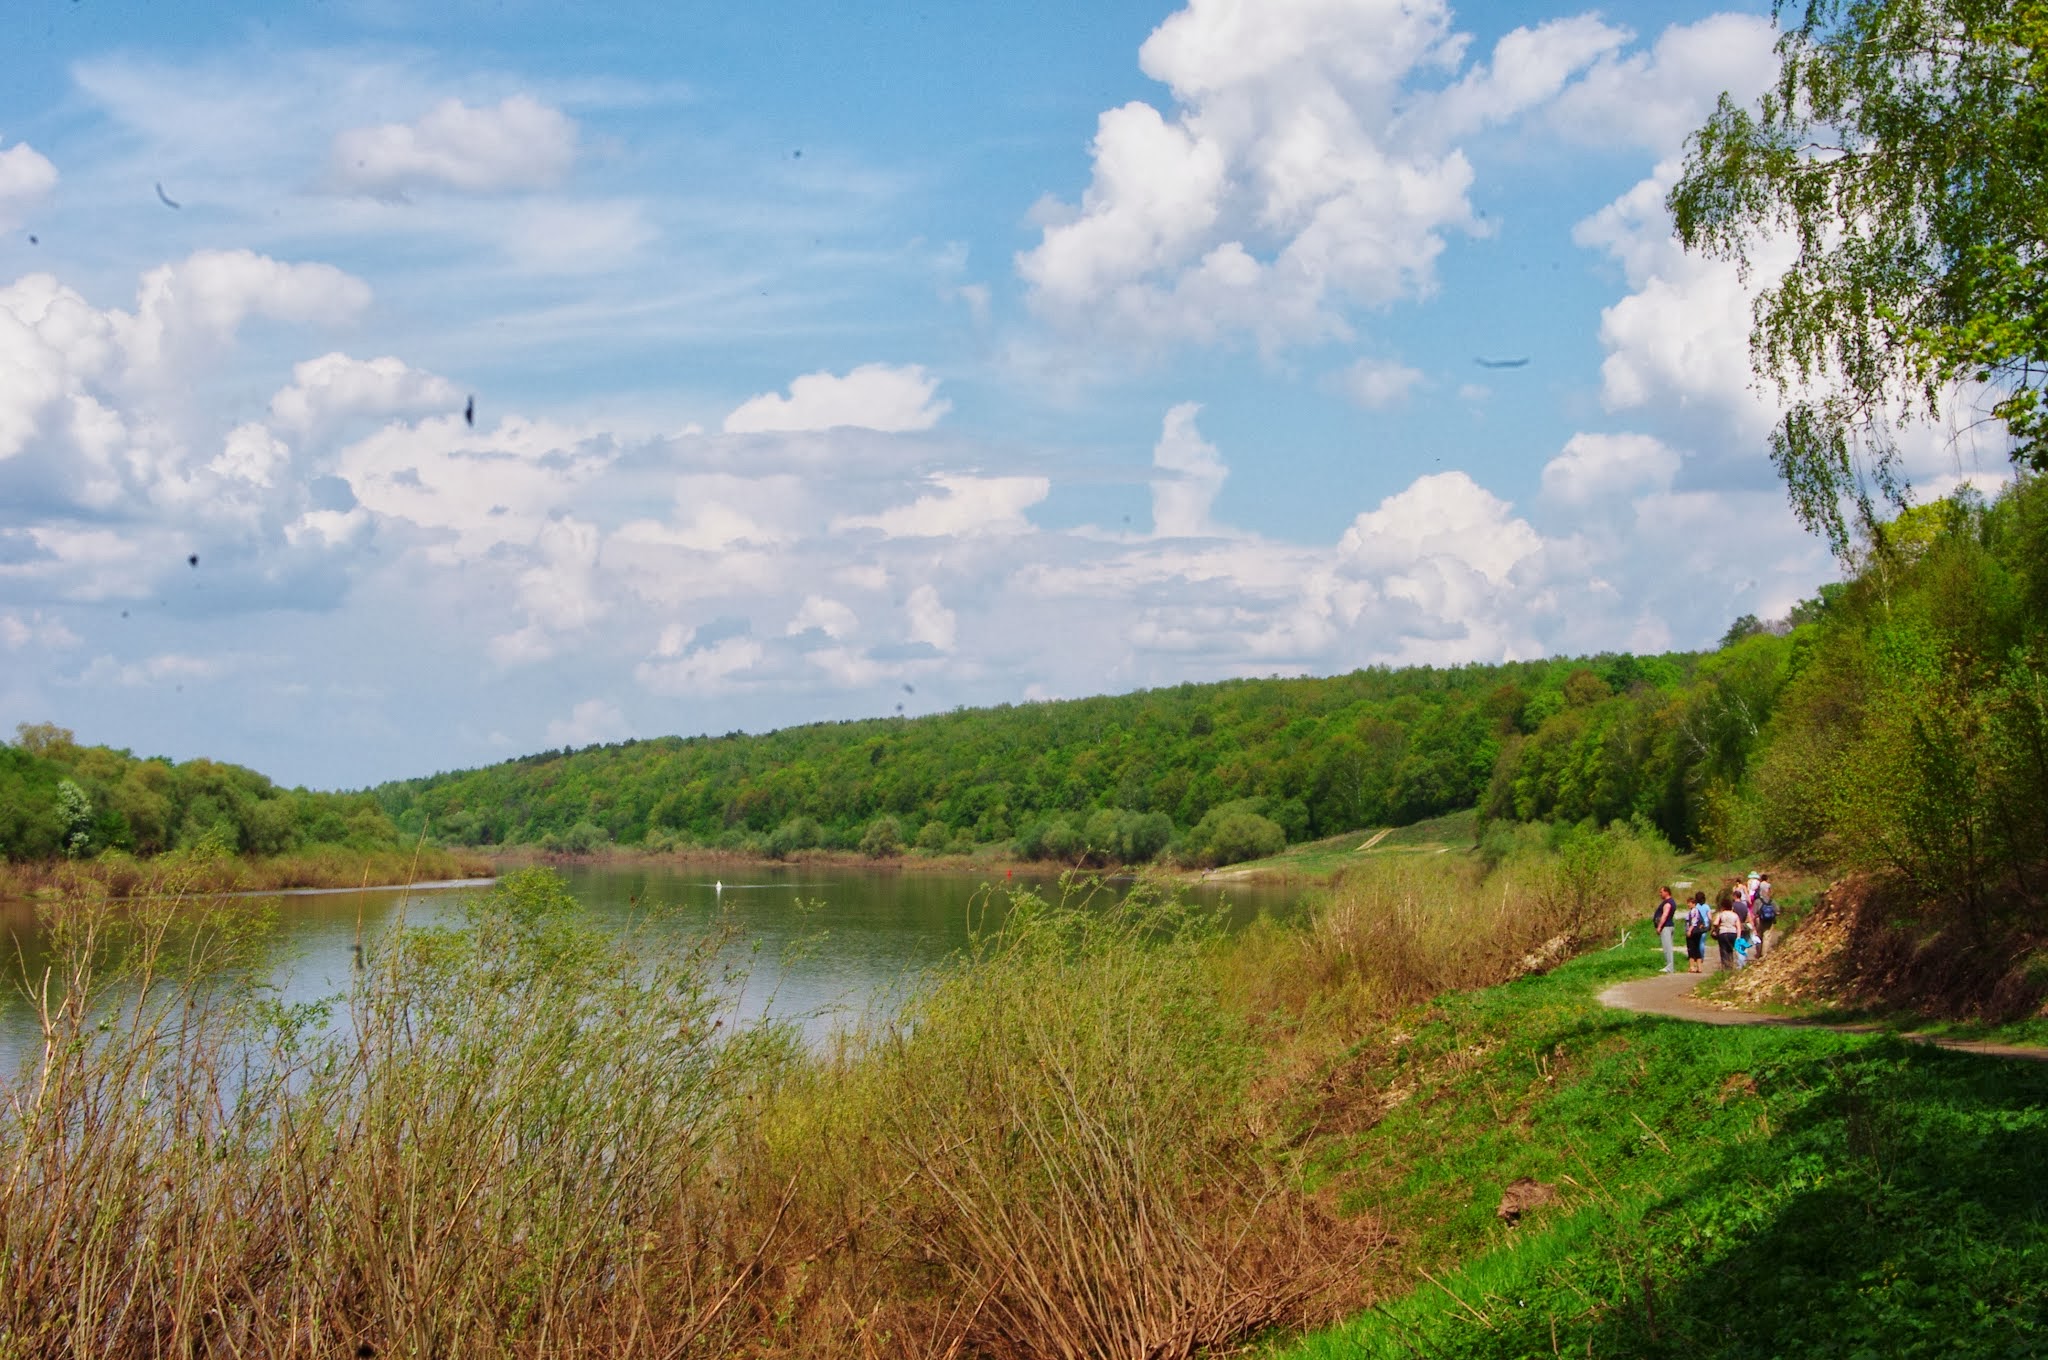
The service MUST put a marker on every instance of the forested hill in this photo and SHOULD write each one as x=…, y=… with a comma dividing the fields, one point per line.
x=1314, y=756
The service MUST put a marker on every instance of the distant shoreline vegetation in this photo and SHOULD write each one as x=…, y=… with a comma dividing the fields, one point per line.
x=1194, y=775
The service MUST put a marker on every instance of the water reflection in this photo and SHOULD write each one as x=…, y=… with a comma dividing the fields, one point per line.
x=815, y=945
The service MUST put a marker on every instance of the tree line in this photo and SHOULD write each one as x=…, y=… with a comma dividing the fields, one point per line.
x=59, y=798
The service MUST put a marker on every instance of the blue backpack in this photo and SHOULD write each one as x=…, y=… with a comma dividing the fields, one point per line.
x=1767, y=913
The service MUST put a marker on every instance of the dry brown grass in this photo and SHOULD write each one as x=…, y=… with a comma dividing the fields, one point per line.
x=118, y=875
x=526, y=1137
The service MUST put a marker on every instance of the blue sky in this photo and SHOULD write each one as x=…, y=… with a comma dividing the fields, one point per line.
x=833, y=358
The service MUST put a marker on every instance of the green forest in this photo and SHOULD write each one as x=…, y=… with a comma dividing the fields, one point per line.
x=62, y=799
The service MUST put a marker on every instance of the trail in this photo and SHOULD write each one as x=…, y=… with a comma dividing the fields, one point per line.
x=1670, y=995
x=1377, y=837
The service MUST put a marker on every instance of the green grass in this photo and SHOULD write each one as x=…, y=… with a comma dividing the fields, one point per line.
x=1329, y=856
x=1723, y=1192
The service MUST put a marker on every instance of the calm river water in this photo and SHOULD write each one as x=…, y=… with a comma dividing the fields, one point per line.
x=822, y=944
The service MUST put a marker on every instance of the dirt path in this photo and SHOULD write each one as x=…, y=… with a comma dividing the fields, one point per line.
x=1670, y=994
x=1377, y=837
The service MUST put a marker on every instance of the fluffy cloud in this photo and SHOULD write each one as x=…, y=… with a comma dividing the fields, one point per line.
x=100, y=426
x=1529, y=67
x=1181, y=501
x=1596, y=467
x=964, y=505
x=1442, y=518
x=692, y=671
x=828, y=616
x=871, y=397
x=930, y=621
x=518, y=143
x=1652, y=99
x=335, y=388
x=26, y=175
x=1307, y=167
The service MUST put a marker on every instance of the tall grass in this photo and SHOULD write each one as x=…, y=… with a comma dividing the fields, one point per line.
x=522, y=1135
x=1064, y=1128
x=1396, y=930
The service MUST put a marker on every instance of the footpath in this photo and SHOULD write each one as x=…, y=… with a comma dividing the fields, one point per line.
x=1671, y=995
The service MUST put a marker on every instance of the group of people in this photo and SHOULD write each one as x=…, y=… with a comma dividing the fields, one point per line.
x=1740, y=921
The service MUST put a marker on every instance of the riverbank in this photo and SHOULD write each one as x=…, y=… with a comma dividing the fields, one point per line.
x=210, y=872
x=1072, y=1140
x=1100, y=1131
x=1570, y=1179
x=1309, y=863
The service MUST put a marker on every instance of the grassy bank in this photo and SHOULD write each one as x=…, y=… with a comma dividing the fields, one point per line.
x=1719, y=1192
x=321, y=866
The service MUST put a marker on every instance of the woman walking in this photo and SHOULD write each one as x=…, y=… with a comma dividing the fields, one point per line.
x=1662, y=918
x=1697, y=919
x=1727, y=929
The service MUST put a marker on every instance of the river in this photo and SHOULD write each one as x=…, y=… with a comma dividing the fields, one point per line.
x=816, y=945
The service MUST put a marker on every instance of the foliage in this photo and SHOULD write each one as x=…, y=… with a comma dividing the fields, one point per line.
x=1903, y=152
x=1669, y=751
x=1915, y=742
x=883, y=838
x=58, y=798
x=1371, y=748
x=1233, y=832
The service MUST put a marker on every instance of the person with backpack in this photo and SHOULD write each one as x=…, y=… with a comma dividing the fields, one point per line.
x=1661, y=920
x=1696, y=922
x=1766, y=915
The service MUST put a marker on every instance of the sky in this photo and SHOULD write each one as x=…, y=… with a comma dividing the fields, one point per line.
x=389, y=388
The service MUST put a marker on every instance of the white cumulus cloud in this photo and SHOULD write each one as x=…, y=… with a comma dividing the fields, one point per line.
x=1595, y=467
x=1306, y=167
x=518, y=143
x=930, y=621
x=335, y=388
x=26, y=176
x=871, y=397
x=964, y=504
x=1182, y=500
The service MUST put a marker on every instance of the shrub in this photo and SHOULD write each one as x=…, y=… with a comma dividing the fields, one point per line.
x=1233, y=832
x=798, y=833
x=883, y=838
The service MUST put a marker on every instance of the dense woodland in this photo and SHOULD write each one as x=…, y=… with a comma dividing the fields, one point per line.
x=1250, y=763
x=58, y=798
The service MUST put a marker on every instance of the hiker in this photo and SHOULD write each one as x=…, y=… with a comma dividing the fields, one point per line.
x=1765, y=915
x=1661, y=919
x=1696, y=932
x=1727, y=928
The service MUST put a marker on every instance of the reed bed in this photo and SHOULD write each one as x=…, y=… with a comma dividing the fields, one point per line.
x=522, y=1135
x=209, y=868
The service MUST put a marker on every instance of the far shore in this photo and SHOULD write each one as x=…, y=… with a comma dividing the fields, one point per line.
x=1269, y=871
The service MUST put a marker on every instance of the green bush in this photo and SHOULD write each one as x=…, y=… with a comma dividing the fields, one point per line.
x=882, y=839
x=1234, y=832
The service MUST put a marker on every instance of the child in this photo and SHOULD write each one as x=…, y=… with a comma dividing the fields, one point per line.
x=1742, y=948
